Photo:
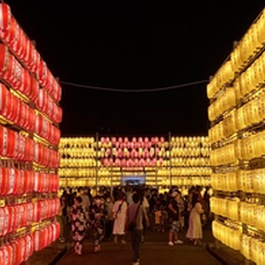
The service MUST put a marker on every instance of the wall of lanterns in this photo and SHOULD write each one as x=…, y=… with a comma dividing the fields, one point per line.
x=237, y=112
x=182, y=161
x=29, y=138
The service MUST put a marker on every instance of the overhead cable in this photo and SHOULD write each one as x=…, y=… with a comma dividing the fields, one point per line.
x=117, y=90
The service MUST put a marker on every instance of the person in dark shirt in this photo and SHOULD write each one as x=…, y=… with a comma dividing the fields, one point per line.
x=97, y=215
x=174, y=219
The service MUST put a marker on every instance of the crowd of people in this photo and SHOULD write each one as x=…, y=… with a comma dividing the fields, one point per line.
x=111, y=213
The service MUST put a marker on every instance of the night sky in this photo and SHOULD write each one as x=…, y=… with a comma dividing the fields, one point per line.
x=130, y=44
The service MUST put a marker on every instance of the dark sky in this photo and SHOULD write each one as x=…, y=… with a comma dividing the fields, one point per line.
x=132, y=44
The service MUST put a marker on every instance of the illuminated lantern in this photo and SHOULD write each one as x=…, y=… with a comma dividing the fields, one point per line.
x=117, y=162
x=142, y=162
x=5, y=20
x=123, y=162
x=113, y=140
x=120, y=140
x=134, y=140
x=102, y=140
x=148, y=162
x=3, y=100
x=126, y=140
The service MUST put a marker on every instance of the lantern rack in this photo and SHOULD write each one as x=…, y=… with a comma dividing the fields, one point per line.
x=225, y=142
x=220, y=91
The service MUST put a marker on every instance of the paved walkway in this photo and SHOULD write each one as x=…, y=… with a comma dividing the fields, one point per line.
x=155, y=251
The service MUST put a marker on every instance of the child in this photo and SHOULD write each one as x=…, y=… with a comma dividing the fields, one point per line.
x=159, y=216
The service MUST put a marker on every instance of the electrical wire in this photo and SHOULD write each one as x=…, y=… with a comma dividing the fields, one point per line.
x=151, y=90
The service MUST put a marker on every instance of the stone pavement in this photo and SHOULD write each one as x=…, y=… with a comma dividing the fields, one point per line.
x=155, y=251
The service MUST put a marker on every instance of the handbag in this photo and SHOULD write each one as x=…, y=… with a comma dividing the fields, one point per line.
x=132, y=224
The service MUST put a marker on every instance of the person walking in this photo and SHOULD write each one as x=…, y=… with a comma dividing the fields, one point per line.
x=62, y=217
x=134, y=222
x=194, y=232
x=174, y=219
x=109, y=219
x=78, y=217
x=119, y=216
x=85, y=198
x=97, y=214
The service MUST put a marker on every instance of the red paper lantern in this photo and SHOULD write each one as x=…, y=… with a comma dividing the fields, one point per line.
x=5, y=20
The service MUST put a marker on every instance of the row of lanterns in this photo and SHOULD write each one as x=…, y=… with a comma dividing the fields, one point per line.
x=249, y=45
x=20, y=249
x=17, y=146
x=18, y=112
x=202, y=161
x=76, y=172
x=13, y=35
x=228, y=207
x=224, y=155
x=186, y=171
x=47, y=130
x=48, y=106
x=77, y=142
x=46, y=235
x=19, y=79
x=83, y=142
x=44, y=209
x=253, y=249
x=227, y=235
x=251, y=113
x=223, y=76
x=77, y=152
x=250, y=181
x=133, y=162
x=252, y=78
x=76, y=162
x=248, y=213
x=19, y=182
x=13, y=217
x=16, y=76
x=15, y=110
x=17, y=251
x=223, y=103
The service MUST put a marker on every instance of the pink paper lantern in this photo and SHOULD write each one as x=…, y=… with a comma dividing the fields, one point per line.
x=107, y=140
x=157, y=151
x=120, y=140
x=123, y=162
x=113, y=140
x=146, y=140
x=105, y=162
x=102, y=140
x=140, y=139
x=126, y=140
x=134, y=140
x=162, y=140
x=148, y=162
x=117, y=162
x=108, y=151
